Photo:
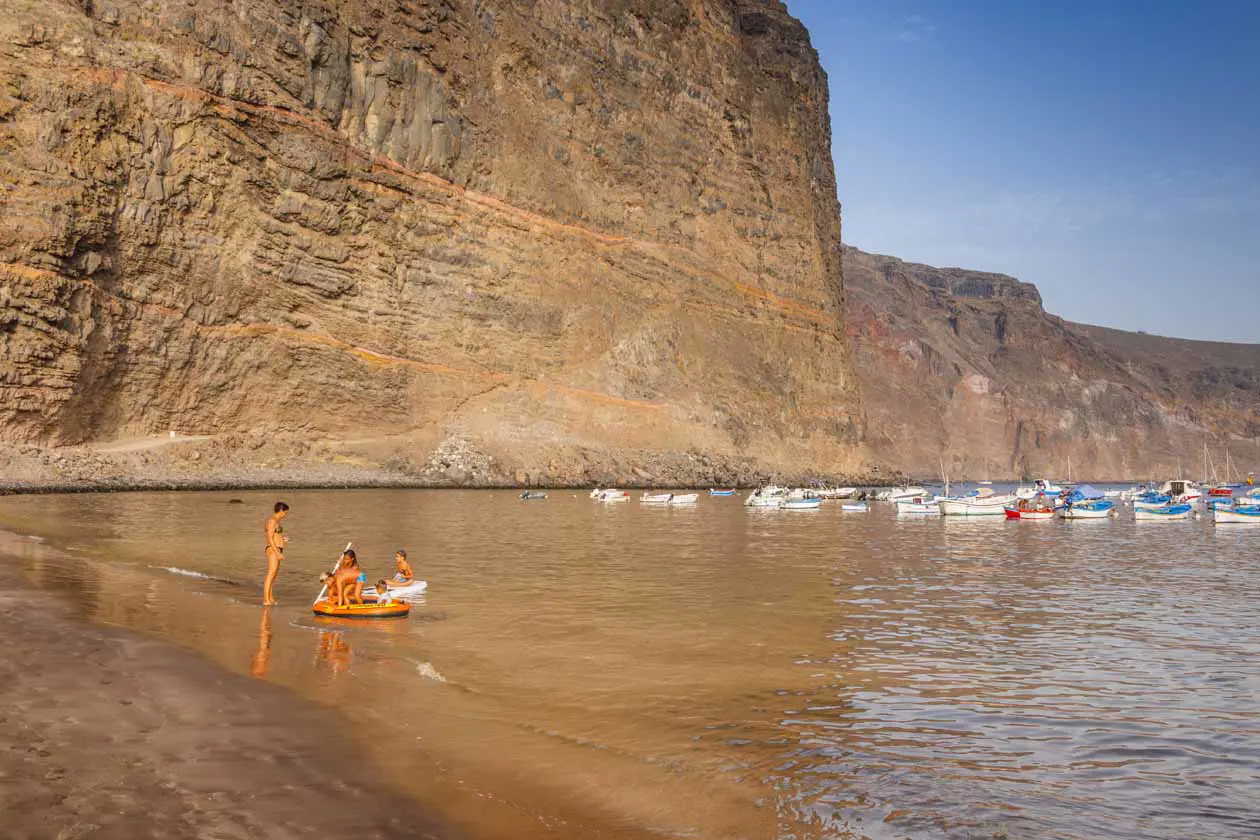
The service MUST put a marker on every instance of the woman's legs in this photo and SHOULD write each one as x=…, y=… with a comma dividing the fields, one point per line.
x=273, y=569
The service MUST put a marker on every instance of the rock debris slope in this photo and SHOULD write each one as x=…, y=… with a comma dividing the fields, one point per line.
x=567, y=239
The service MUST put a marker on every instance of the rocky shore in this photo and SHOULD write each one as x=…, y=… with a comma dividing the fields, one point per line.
x=220, y=463
x=108, y=734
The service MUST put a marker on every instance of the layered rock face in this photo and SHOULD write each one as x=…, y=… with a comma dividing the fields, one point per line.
x=582, y=238
x=966, y=371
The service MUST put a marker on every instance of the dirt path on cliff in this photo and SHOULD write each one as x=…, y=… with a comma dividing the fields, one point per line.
x=144, y=444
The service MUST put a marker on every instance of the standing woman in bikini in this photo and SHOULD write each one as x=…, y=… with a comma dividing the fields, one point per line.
x=275, y=551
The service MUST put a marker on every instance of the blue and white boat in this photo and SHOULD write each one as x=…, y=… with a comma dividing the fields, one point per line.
x=1088, y=509
x=1151, y=501
x=1167, y=513
x=713, y=491
x=1239, y=514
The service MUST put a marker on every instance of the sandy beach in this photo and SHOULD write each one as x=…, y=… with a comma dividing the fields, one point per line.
x=108, y=734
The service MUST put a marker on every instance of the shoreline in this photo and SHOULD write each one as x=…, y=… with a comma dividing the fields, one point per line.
x=114, y=733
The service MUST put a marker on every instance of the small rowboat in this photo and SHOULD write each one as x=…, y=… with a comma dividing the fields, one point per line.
x=1249, y=514
x=1100, y=509
x=658, y=499
x=1168, y=513
x=370, y=609
x=918, y=506
x=858, y=507
x=683, y=499
x=531, y=497
x=609, y=496
x=1031, y=514
x=801, y=504
x=715, y=492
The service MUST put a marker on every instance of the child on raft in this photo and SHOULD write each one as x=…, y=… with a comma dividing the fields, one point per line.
x=345, y=585
x=382, y=591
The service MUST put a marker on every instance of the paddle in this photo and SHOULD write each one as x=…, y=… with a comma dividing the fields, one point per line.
x=324, y=588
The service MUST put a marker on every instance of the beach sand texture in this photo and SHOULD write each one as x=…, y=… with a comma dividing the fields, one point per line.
x=106, y=734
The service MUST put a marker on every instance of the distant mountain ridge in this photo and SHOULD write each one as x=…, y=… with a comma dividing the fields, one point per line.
x=966, y=369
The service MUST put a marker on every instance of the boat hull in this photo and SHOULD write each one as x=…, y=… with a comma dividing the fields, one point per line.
x=991, y=506
x=1174, y=513
x=394, y=609
x=1029, y=515
x=1237, y=516
x=1088, y=511
x=801, y=504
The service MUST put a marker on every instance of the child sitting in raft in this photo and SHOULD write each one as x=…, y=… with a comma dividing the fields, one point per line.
x=382, y=591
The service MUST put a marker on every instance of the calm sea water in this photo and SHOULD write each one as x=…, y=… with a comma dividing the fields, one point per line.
x=582, y=670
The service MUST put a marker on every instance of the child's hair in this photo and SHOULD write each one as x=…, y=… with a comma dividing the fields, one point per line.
x=326, y=577
x=402, y=552
x=382, y=586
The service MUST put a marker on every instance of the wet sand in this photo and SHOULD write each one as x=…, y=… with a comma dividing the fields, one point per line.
x=108, y=734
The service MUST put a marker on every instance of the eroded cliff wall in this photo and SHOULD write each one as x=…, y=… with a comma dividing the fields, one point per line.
x=966, y=369
x=583, y=238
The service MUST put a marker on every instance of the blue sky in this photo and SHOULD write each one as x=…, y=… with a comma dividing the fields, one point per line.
x=1107, y=151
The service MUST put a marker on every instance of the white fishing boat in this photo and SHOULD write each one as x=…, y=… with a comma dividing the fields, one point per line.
x=657, y=499
x=801, y=504
x=835, y=492
x=610, y=495
x=918, y=506
x=768, y=496
x=896, y=494
x=1237, y=515
x=982, y=502
x=856, y=507
x=684, y=499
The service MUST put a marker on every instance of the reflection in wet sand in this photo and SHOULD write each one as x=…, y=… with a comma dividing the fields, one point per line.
x=262, y=658
x=333, y=652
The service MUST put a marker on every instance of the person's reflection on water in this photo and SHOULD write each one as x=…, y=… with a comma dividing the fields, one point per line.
x=334, y=651
x=262, y=659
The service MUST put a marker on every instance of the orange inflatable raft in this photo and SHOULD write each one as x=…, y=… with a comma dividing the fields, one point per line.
x=368, y=609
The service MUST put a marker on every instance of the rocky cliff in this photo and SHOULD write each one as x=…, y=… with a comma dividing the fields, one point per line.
x=565, y=240
x=965, y=369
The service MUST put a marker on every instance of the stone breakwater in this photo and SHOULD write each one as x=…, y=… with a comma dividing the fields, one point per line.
x=584, y=239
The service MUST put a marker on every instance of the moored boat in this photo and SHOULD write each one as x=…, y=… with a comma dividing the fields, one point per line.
x=683, y=499
x=768, y=496
x=610, y=495
x=856, y=507
x=980, y=502
x=801, y=504
x=1168, y=513
x=529, y=496
x=897, y=494
x=1028, y=510
x=1237, y=515
x=1096, y=509
x=713, y=491
x=918, y=506
x=658, y=499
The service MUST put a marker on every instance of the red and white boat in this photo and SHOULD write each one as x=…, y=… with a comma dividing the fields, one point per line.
x=1030, y=510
